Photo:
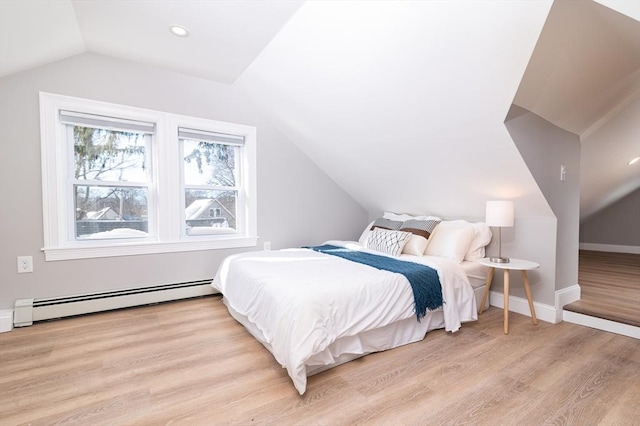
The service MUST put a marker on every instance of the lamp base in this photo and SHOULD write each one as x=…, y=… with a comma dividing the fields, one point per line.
x=499, y=259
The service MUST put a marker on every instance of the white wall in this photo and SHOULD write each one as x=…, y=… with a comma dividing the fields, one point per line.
x=546, y=148
x=297, y=203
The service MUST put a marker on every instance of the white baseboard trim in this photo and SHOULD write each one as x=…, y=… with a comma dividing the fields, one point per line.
x=601, y=324
x=554, y=315
x=564, y=297
x=546, y=313
x=6, y=320
x=612, y=248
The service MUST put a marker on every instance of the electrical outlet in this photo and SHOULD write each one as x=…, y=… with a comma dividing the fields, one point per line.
x=25, y=264
x=267, y=245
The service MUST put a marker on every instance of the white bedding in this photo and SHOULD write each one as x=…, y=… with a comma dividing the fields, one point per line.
x=308, y=307
x=476, y=273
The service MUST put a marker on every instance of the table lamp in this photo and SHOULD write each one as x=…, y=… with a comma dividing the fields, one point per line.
x=500, y=214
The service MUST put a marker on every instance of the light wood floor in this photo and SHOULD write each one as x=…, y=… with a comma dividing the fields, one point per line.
x=190, y=363
x=610, y=286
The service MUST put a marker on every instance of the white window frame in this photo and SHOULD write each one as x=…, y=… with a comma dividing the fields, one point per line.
x=166, y=230
x=69, y=226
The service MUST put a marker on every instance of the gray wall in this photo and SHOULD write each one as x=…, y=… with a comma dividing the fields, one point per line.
x=618, y=224
x=297, y=203
x=545, y=148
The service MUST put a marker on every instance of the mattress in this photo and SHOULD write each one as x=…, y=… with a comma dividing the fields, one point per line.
x=477, y=275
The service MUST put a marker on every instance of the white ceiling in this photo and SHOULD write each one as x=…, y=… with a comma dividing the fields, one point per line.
x=34, y=33
x=225, y=35
x=586, y=63
x=584, y=70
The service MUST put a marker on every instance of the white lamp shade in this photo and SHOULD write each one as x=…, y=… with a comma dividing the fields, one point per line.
x=500, y=213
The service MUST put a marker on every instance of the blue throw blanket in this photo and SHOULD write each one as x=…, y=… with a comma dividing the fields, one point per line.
x=425, y=283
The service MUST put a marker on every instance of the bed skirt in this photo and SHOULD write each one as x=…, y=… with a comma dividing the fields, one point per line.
x=348, y=348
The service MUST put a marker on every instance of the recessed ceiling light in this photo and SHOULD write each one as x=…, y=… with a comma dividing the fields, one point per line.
x=179, y=31
x=634, y=161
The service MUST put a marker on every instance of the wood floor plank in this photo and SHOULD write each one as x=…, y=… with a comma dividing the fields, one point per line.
x=190, y=363
x=610, y=286
x=586, y=394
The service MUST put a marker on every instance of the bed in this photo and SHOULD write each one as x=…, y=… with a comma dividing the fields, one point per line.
x=314, y=310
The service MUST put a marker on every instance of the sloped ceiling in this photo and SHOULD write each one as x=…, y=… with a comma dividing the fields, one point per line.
x=585, y=65
x=34, y=33
x=401, y=103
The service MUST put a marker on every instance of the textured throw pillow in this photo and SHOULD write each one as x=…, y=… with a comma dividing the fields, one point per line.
x=420, y=230
x=450, y=240
x=386, y=241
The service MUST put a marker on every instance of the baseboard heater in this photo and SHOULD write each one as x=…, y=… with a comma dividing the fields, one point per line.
x=26, y=311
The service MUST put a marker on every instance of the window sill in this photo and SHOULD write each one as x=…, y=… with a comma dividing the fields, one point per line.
x=138, y=248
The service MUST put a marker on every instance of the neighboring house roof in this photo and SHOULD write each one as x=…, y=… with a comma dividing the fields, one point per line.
x=197, y=208
x=105, y=214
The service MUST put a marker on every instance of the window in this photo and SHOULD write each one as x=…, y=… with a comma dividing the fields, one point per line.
x=110, y=178
x=211, y=181
x=119, y=180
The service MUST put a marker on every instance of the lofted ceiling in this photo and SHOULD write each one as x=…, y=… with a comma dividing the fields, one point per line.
x=225, y=35
x=586, y=64
x=584, y=71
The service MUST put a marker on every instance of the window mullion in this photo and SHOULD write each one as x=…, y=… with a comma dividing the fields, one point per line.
x=151, y=145
x=169, y=187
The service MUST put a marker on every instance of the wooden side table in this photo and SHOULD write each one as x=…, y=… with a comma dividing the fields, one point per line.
x=514, y=264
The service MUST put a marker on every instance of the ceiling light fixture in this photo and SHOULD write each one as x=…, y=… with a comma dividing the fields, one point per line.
x=634, y=161
x=179, y=31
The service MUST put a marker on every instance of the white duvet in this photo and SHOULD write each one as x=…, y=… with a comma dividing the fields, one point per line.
x=299, y=301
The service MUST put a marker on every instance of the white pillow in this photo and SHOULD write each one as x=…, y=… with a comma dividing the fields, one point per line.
x=416, y=245
x=404, y=217
x=394, y=216
x=365, y=234
x=387, y=241
x=481, y=238
x=451, y=240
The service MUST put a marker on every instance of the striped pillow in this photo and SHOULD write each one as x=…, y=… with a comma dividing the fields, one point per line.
x=424, y=228
x=386, y=224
